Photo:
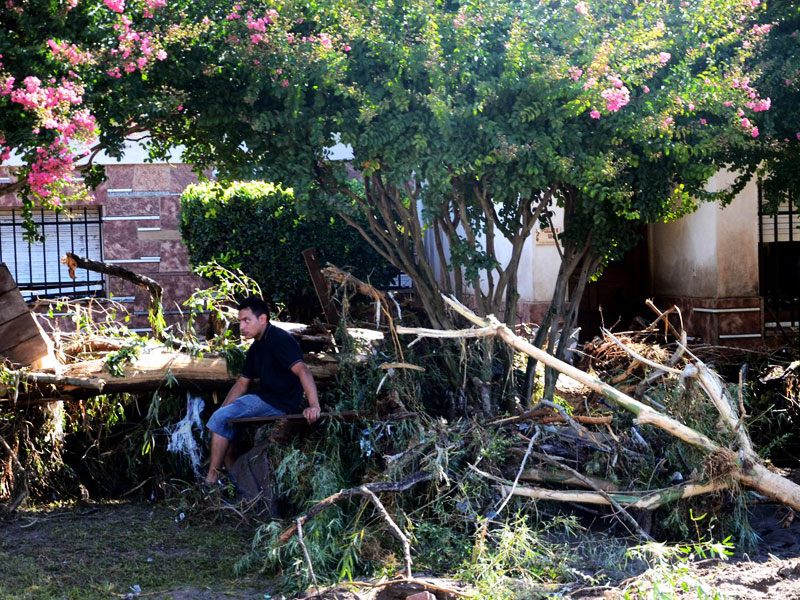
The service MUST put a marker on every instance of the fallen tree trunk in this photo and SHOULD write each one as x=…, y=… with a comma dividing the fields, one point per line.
x=649, y=500
x=159, y=367
x=745, y=466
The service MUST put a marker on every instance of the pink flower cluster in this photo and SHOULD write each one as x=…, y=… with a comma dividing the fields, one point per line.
x=138, y=49
x=575, y=73
x=616, y=97
x=664, y=57
x=70, y=52
x=5, y=151
x=582, y=8
x=117, y=6
x=260, y=24
x=151, y=6
x=54, y=105
x=759, y=105
x=51, y=171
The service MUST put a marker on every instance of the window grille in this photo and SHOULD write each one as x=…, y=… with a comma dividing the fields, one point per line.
x=37, y=267
x=779, y=263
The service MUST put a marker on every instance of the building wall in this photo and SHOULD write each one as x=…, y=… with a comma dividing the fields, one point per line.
x=140, y=206
x=707, y=264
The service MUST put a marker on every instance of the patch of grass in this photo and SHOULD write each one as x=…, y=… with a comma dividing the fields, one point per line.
x=102, y=553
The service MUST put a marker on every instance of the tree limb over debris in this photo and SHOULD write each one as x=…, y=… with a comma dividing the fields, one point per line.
x=74, y=261
x=745, y=466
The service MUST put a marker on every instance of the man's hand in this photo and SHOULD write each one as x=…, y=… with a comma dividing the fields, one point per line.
x=311, y=413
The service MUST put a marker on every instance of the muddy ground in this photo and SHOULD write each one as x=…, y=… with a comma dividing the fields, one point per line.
x=130, y=550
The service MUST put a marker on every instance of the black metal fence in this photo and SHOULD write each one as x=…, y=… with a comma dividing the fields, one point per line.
x=36, y=266
x=779, y=265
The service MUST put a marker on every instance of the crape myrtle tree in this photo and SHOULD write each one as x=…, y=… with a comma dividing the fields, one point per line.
x=81, y=76
x=467, y=120
x=776, y=68
x=485, y=113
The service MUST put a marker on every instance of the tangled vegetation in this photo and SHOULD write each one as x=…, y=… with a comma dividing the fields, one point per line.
x=441, y=461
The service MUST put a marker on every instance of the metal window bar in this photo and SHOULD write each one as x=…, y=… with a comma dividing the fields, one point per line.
x=41, y=274
x=779, y=265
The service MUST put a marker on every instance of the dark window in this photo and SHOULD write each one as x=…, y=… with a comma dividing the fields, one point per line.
x=37, y=268
x=779, y=262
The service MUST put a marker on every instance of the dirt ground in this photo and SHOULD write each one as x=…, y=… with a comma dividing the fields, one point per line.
x=149, y=551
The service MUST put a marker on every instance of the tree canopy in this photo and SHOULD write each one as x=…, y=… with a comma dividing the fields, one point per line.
x=469, y=119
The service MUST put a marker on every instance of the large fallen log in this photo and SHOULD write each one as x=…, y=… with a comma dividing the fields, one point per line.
x=746, y=467
x=158, y=367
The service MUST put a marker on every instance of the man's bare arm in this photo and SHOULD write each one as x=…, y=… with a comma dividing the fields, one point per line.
x=239, y=389
x=310, y=388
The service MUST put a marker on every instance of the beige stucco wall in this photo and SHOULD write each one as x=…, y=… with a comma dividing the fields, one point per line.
x=711, y=253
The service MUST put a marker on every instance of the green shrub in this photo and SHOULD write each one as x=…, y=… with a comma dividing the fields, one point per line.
x=259, y=228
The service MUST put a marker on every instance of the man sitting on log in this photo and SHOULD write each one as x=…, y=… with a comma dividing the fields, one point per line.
x=275, y=360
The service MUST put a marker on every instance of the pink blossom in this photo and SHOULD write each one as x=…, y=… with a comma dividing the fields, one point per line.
x=727, y=103
x=703, y=122
x=761, y=105
x=663, y=57
x=285, y=83
x=691, y=106
x=582, y=8
x=788, y=82
x=754, y=133
x=740, y=113
x=615, y=98
x=798, y=135
x=646, y=90
x=595, y=114
x=347, y=48
x=666, y=122
x=115, y=5
x=746, y=123
x=161, y=55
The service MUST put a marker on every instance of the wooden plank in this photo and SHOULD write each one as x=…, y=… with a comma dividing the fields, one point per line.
x=11, y=306
x=28, y=351
x=320, y=285
x=345, y=415
x=18, y=330
x=7, y=282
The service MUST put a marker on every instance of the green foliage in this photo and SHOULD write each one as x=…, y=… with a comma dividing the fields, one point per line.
x=258, y=229
x=670, y=573
x=512, y=559
x=116, y=361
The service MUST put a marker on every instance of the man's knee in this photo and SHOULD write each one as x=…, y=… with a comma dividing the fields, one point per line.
x=218, y=423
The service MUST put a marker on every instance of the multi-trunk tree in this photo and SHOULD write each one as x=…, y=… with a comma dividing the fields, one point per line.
x=468, y=121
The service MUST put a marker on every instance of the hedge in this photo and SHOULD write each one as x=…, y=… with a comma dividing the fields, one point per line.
x=258, y=227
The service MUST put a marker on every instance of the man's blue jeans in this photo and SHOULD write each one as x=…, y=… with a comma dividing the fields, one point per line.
x=248, y=405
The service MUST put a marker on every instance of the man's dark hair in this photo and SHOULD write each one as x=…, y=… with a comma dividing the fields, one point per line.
x=255, y=304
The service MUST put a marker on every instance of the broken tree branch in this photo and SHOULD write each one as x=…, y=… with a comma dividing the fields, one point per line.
x=305, y=553
x=746, y=469
x=649, y=500
x=74, y=261
x=382, y=486
x=626, y=516
x=91, y=383
x=638, y=356
x=392, y=525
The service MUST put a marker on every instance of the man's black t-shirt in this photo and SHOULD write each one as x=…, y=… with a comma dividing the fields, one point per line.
x=269, y=360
